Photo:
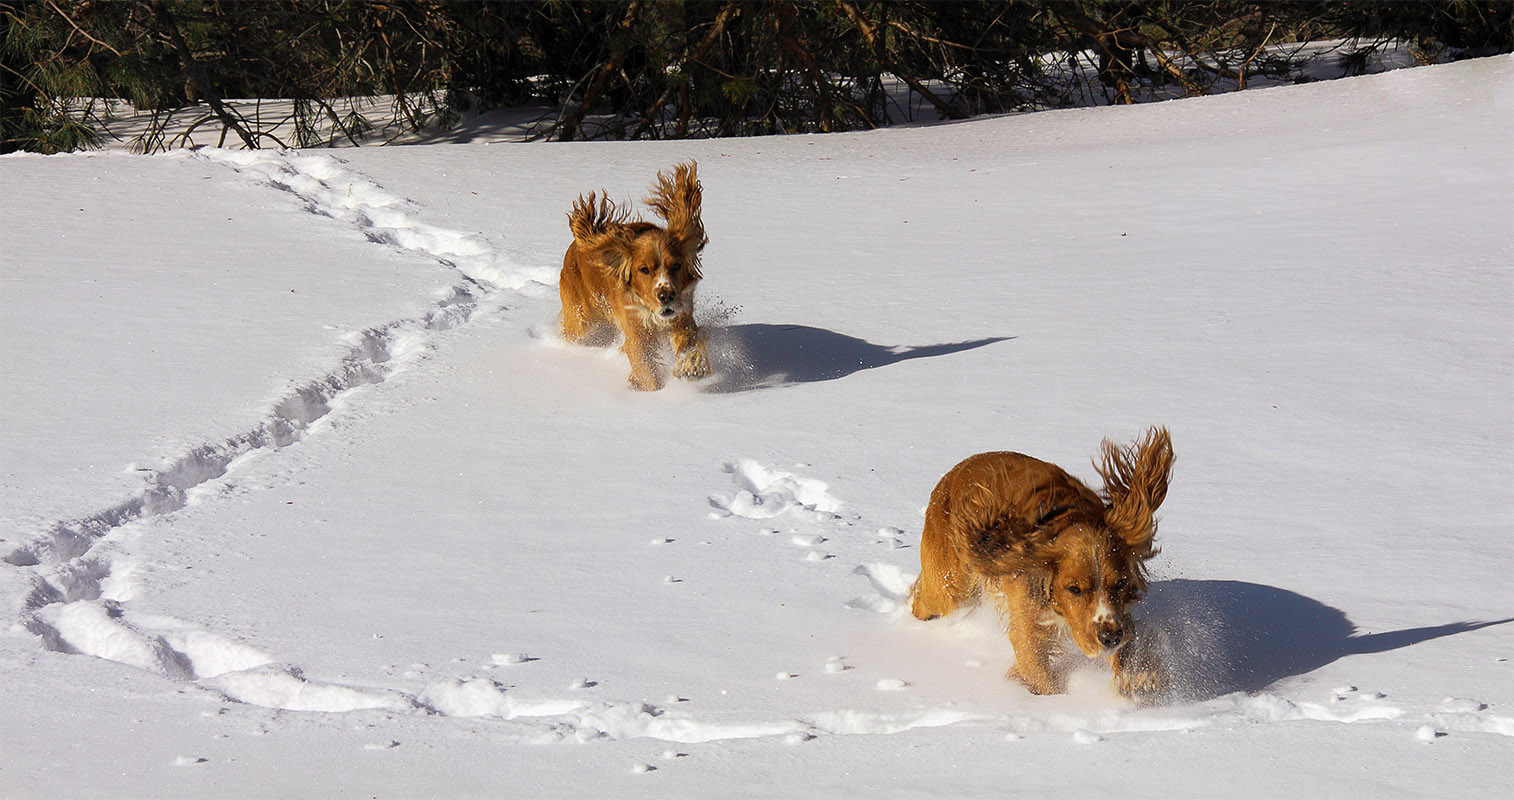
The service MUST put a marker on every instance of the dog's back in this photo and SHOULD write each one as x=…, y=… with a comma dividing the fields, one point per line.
x=980, y=516
x=993, y=488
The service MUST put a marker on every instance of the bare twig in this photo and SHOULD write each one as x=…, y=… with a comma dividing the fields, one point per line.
x=1245, y=65
x=70, y=20
x=573, y=121
x=871, y=35
x=192, y=70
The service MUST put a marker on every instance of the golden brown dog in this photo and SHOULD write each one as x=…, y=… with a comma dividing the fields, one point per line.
x=1061, y=560
x=639, y=276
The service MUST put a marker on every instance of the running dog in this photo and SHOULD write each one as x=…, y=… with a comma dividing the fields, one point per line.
x=639, y=276
x=1062, y=561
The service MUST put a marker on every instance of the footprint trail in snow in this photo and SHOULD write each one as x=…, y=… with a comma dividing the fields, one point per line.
x=73, y=603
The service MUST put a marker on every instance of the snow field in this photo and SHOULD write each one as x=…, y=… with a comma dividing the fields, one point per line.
x=71, y=615
x=448, y=530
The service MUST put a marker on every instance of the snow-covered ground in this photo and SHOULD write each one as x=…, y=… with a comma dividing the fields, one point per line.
x=302, y=496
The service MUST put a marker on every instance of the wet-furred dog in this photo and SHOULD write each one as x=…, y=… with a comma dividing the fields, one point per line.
x=1061, y=560
x=639, y=276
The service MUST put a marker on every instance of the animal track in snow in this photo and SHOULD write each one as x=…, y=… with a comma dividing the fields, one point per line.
x=585, y=720
x=327, y=187
x=374, y=355
x=893, y=537
x=174, y=649
x=243, y=674
x=764, y=493
x=1465, y=715
x=65, y=571
x=67, y=605
x=890, y=586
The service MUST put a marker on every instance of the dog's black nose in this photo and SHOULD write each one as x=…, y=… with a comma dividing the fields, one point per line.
x=1111, y=637
x=666, y=296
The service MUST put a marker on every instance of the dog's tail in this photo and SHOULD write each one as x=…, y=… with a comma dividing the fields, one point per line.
x=1135, y=484
x=676, y=198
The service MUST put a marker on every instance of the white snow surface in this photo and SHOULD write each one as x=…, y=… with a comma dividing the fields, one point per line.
x=302, y=495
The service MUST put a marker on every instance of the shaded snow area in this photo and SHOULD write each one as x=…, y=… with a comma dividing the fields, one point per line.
x=1073, y=81
x=302, y=494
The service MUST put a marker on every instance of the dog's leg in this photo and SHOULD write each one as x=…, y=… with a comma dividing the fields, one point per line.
x=575, y=318
x=575, y=325
x=943, y=583
x=692, y=362
x=1034, y=641
x=639, y=348
x=1138, y=670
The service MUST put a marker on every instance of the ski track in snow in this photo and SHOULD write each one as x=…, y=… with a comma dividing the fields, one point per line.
x=72, y=610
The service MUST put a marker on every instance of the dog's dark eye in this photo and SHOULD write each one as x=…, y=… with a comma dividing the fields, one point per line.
x=1120, y=586
x=646, y=271
x=675, y=268
x=1074, y=590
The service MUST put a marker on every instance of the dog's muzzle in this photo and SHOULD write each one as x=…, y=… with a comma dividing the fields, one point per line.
x=668, y=298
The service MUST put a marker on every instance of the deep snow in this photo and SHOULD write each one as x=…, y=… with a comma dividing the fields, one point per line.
x=301, y=495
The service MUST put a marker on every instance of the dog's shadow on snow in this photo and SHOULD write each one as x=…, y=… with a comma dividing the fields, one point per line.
x=1227, y=636
x=760, y=356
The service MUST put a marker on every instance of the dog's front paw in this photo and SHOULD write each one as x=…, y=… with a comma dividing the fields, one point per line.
x=692, y=364
x=1140, y=673
x=1144, y=687
x=1038, y=681
x=644, y=382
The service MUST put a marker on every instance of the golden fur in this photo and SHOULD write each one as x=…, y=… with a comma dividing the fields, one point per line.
x=639, y=276
x=1061, y=559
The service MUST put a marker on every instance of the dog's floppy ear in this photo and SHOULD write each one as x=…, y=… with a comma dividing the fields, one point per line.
x=999, y=541
x=1006, y=546
x=676, y=198
x=599, y=227
x=1135, y=484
